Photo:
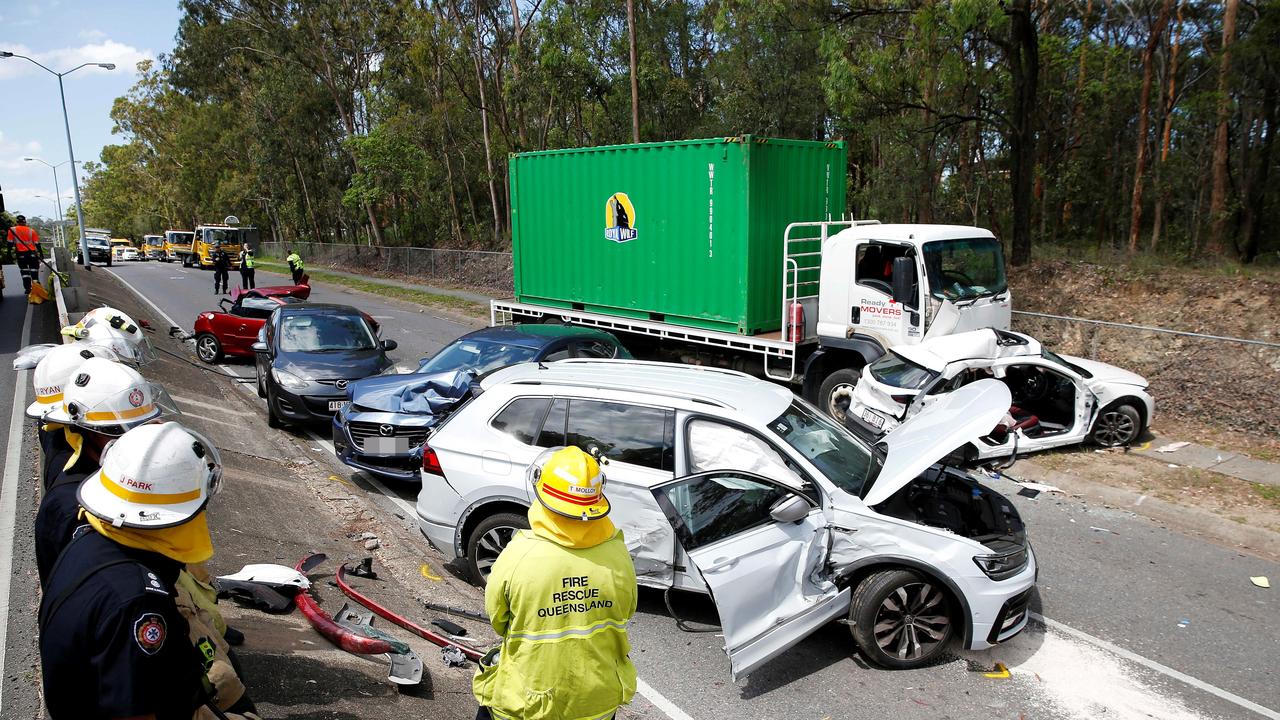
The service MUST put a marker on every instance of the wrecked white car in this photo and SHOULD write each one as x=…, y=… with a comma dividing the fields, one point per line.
x=725, y=482
x=1057, y=399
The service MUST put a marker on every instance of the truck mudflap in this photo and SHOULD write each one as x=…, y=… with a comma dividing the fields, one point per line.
x=469, y=652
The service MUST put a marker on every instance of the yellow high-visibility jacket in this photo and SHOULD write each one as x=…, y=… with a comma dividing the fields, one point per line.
x=562, y=612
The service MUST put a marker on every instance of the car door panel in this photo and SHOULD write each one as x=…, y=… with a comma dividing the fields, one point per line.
x=765, y=577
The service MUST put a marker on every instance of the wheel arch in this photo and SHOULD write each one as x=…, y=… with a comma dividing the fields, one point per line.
x=853, y=354
x=854, y=574
x=1137, y=403
x=478, y=512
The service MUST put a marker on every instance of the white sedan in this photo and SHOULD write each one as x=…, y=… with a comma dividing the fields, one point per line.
x=129, y=254
x=1057, y=399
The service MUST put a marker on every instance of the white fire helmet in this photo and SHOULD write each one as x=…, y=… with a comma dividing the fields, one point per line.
x=154, y=476
x=56, y=369
x=109, y=398
x=108, y=326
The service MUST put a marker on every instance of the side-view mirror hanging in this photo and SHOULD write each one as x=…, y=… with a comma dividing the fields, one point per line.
x=903, y=270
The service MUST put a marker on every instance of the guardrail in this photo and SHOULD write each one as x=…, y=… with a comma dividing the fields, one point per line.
x=64, y=318
x=477, y=268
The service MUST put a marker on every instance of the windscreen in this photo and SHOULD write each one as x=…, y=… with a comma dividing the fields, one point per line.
x=314, y=332
x=965, y=269
x=226, y=236
x=829, y=447
x=482, y=356
x=899, y=372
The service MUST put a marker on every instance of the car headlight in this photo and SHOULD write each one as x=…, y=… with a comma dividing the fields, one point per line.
x=288, y=380
x=399, y=369
x=1002, y=566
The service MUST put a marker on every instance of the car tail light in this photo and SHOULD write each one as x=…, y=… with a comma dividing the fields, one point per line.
x=903, y=399
x=430, y=462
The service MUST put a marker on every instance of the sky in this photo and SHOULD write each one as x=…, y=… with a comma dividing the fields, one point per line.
x=62, y=34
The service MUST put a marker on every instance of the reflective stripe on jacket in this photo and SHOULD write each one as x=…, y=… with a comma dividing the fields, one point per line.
x=295, y=261
x=562, y=613
x=24, y=239
x=246, y=260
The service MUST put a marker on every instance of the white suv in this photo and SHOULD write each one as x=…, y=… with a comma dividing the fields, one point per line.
x=725, y=481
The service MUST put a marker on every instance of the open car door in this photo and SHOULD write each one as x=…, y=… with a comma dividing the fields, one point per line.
x=761, y=547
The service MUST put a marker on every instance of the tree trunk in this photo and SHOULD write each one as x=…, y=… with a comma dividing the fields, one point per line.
x=1258, y=189
x=1077, y=108
x=1144, y=113
x=518, y=36
x=1171, y=99
x=1024, y=66
x=1218, y=196
x=635, y=85
x=484, y=128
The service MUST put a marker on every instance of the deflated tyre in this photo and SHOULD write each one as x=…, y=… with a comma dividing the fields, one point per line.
x=900, y=619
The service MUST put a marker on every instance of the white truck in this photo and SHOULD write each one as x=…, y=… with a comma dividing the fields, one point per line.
x=850, y=290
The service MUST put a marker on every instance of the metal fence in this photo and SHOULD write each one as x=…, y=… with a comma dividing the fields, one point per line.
x=483, y=269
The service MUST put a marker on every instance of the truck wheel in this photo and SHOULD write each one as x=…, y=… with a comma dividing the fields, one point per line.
x=836, y=393
x=208, y=349
x=900, y=619
x=1117, y=425
x=488, y=539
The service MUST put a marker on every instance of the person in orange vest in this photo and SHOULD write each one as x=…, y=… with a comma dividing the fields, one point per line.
x=26, y=251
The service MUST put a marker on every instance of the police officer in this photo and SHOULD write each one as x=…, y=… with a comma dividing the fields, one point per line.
x=103, y=400
x=295, y=265
x=246, y=268
x=112, y=642
x=560, y=596
x=221, y=265
x=26, y=248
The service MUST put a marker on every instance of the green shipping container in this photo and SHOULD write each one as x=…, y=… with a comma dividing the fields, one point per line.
x=686, y=232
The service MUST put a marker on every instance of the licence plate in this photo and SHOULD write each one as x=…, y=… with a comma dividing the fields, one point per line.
x=336, y=405
x=386, y=445
x=873, y=419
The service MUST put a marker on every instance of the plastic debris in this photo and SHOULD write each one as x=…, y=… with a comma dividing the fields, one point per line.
x=1041, y=487
x=1184, y=622
x=1261, y=581
x=1172, y=447
x=426, y=572
x=1095, y=528
x=1175, y=467
x=1028, y=492
x=372, y=544
x=452, y=656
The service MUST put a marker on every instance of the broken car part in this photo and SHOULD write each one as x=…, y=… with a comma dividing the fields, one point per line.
x=332, y=631
x=432, y=637
x=406, y=667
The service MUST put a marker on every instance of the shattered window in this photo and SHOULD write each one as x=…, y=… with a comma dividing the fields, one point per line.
x=829, y=447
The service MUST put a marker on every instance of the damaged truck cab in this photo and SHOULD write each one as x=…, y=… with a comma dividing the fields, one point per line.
x=728, y=484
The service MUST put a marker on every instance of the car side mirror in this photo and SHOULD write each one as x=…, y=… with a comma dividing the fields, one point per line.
x=390, y=345
x=258, y=347
x=789, y=509
x=903, y=270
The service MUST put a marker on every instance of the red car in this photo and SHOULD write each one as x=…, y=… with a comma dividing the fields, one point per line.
x=231, y=331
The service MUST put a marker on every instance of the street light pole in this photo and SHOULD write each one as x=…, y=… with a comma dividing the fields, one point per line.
x=75, y=181
x=57, y=193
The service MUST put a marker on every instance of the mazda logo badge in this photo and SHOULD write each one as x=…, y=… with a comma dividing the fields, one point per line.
x=386, y=430
x=342, y=384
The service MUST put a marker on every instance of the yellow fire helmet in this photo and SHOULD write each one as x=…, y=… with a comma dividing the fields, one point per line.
x=110, y=398
x=154, y=476
x=569, y=482
x=56, y=369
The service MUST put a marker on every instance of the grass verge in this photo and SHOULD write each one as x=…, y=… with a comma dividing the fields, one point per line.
x=421, y=297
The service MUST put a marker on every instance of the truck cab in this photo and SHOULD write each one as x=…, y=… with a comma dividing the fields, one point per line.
x=177, y=245
x=880, y=286
x=209, y=236
x=153, y=247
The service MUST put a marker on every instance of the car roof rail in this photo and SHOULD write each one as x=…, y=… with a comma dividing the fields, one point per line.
x=621, y=387
x=653, y=363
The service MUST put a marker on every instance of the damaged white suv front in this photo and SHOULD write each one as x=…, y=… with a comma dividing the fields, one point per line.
x=913, y=553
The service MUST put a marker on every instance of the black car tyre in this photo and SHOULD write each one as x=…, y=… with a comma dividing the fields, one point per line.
x=900, y=619
x=108, y=261
x=208, y=349
x=836, y=394
x=262, y=390
x=487, y=540
x=1117, y=425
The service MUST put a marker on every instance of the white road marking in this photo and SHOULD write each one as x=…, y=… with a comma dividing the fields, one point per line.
x=9, y=496
x=658, y=699
x=1157, y=667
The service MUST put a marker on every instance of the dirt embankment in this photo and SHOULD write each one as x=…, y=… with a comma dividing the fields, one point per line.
x=1214, y=392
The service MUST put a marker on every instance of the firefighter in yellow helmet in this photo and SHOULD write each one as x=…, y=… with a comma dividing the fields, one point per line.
x=560, y=596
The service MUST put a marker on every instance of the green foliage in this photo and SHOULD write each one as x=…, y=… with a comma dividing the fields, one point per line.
x=348, y=121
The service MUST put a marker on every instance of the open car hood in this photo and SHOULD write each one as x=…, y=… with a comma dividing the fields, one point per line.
x=957, y=418
x=416, y=393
